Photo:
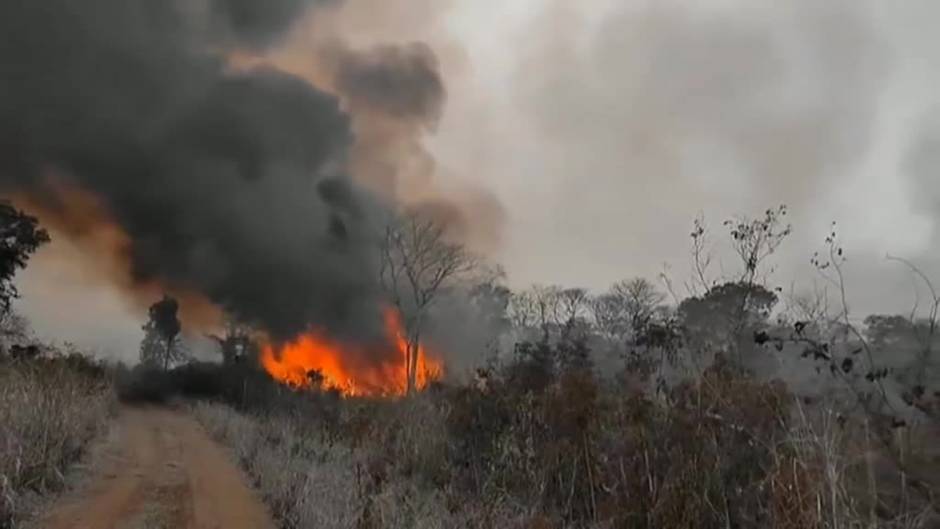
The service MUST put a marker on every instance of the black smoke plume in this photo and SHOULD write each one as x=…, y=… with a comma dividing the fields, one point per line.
x=228, y=183
x=259, y=23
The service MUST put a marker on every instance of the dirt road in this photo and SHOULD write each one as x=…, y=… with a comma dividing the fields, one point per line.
x=159, y=470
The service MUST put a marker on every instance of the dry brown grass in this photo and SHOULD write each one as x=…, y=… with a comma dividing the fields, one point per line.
x=304, y=482
x=49, y=411
x=537, y=449
x=309, y=481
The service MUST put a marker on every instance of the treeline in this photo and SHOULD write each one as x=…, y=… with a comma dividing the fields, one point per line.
x=660, y=336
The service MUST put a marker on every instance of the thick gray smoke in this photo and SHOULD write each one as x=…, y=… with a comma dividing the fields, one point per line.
x=229, y=184
x=399, y=81
x=677, y=107
x=606, y=126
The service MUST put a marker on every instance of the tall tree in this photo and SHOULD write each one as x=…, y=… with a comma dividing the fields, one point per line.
x=161, y=344
x=726, y=317
x=418, y=261
x=20, y=236
x=756, y=239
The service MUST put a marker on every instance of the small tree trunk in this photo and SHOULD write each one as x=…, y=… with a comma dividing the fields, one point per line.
x=413, y=350
x=408, y=367
x=168, y=353
x=412, y=367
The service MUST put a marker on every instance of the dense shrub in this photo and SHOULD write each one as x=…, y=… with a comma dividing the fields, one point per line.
x=241, y=385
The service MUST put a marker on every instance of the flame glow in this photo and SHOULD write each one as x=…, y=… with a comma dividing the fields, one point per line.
x=349, y=369
x=102, y=250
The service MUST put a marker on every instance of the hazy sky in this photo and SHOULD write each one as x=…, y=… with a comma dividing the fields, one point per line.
x=605, y=127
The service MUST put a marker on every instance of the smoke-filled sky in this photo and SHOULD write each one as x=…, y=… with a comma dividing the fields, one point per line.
x=579, y=140
x=607, y=126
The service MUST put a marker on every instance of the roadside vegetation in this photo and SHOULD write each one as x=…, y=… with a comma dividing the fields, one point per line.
x=53, y=401
x=736, y=405
x=562, y=448
x=51, y=409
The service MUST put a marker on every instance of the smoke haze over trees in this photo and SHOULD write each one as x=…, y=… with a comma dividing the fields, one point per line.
x=574, y=117
x=607, y=125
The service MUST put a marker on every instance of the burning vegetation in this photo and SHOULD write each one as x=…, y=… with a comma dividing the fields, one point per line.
x=314, y=360
x=285, y=185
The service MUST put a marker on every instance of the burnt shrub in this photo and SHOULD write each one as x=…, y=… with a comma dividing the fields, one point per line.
x=551, y=435
x=142, y=384
x=703, y=458
x=477, y=422
x=530, y=432
x=243, y=386
x=533, y=368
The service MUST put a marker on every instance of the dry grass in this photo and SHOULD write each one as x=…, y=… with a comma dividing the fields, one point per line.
x=307, y=481
x=537, y=449
x=49, y=411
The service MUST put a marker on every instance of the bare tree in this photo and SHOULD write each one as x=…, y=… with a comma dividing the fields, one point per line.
x=754, y=240
x=540, y=307
x=521, y=309
x=573, y=306
x=547, y=307
x=572, y=302
x=607, y=313
x=417, y=262
x=640, y=300
x=235, y=344
x=627, y=308
x=701, y=258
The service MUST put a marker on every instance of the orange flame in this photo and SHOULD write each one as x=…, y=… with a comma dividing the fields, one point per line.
x=349, y=369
